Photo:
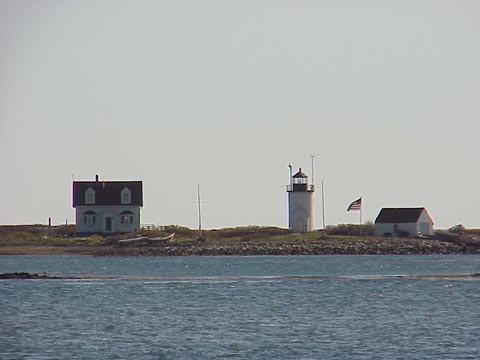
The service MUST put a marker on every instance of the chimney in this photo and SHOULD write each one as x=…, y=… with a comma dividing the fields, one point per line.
x=96, y=178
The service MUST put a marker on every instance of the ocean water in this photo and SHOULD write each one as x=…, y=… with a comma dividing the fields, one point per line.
x=305, y=307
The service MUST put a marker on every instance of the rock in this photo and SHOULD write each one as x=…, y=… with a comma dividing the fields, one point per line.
x=26, y=276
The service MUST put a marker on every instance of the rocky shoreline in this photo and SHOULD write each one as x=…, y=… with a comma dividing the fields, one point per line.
x=331, y=246
x=316, y=247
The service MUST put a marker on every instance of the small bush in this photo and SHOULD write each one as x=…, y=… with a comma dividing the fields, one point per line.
x=62, y=231
x=351, y=229
x=457, y=229
x=179, y=230
x=95, y=239
x=20, y=236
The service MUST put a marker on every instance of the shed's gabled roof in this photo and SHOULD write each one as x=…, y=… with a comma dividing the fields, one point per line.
x=107, y=193
x=398, y=215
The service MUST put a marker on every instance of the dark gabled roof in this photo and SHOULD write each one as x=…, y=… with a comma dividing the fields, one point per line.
x=107, y=193
x=300, y=174
x=398, y=215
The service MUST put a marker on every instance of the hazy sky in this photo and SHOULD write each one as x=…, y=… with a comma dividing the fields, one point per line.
x=225, y=94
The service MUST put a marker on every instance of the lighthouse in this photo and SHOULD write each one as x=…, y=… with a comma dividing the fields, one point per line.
x=300, y=202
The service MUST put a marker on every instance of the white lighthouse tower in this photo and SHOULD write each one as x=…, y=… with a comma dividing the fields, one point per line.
x=300, y=202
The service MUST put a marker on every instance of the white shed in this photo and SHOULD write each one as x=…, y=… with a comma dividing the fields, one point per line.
x=403, y=222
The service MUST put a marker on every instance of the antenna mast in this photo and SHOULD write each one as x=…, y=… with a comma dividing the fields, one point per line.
x=312, y=157
x=199, y=213
x=291, y=176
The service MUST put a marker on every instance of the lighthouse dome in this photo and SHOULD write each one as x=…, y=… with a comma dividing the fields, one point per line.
x=300, y=174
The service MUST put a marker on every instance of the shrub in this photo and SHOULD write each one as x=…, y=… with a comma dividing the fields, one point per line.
x=179, y=230
x=95, y=239
x=351, y=229
x=64, y=230
x=458, y=229
x=20, y=235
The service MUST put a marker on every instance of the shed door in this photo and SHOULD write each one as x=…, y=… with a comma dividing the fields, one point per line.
x=424, y=228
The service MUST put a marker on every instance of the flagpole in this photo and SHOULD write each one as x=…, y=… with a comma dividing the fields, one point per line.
x=361, y=215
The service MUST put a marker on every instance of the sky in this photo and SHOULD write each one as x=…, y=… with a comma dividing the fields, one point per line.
x=225, y=94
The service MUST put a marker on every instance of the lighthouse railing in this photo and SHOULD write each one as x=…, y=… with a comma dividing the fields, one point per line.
x=301, y=187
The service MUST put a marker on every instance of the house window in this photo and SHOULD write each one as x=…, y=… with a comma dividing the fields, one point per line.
x=90, y=196
x=126, y=196
x=126, y=218
x=89, y=218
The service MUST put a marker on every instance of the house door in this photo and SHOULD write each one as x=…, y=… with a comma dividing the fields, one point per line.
x=108, y=224
x=300, y=225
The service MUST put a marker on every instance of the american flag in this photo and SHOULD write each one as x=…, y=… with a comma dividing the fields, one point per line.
x=356, y=205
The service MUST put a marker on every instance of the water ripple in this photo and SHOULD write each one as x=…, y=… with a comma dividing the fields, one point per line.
x=170, y=314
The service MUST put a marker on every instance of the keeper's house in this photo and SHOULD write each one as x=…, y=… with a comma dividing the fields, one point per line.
x=107, y=206
x=403, y=222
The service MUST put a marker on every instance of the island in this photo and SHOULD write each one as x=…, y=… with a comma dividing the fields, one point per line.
x=249, y=241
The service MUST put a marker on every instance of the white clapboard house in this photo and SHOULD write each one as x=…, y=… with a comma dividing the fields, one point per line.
x=403, y=222
x=104, y=207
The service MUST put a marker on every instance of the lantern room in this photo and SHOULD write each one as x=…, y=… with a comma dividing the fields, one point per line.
x=299, y=182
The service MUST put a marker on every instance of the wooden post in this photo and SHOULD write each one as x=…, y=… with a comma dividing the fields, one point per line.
x=323, y=210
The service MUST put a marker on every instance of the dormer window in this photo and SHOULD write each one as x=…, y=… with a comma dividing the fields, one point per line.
x=90, y=196
x=126, y=196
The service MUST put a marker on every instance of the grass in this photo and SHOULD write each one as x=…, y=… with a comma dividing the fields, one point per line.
x=19, y=240
x=247, y=234
x=250, y=240
x=37, y=235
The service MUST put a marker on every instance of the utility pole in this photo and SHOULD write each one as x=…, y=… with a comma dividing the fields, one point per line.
x=199, y=202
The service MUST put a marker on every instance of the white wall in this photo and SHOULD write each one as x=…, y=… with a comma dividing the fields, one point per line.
x=410, y=228
x=425, y=218
x=103, y=212
x=300, y=206
x=382, y=229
